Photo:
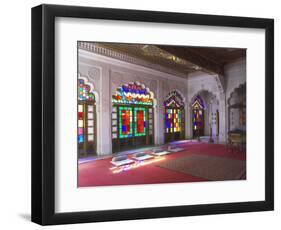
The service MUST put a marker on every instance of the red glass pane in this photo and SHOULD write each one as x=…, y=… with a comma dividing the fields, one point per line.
x=140, y=121
x=125, y=122
x=80, y=115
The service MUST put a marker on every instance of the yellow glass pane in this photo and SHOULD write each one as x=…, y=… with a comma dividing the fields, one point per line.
x=80, y=124
x=80, y=108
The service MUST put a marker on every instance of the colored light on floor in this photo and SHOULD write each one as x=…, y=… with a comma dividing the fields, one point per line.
x=136, y=165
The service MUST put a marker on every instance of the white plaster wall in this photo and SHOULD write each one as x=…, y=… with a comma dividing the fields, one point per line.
x=235, y=75
x=107, y=74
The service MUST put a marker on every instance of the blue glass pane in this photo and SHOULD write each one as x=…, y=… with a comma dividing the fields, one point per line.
x=80, y=138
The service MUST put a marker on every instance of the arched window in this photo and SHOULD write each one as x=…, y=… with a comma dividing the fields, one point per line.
x=198, y=117
x=86, y=118
x=174, y=117
x=132, y=117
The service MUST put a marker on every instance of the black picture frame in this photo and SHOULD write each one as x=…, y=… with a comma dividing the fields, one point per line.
x=43, y=110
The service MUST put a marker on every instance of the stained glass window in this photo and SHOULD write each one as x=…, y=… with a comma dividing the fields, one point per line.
x=133, y=93
x=174, y=99
x=125, y=122
x=173, y=120
x=177, y=120
x=150, y=121
x=197, y=117
x=174, y=109
x=132, y=116
x=140, y=121
x=84, y=93
x=114, y=122
x=85, y=116
x=80, y=123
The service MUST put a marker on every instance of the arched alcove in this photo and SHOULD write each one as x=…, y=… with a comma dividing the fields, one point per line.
x=174, y=116
x=237, y=109
x=132, y=117
x=204, y=109
x=86, y=118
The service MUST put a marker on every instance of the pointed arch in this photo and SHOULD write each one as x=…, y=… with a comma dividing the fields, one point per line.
x=240, y=87
x=174, y=116
x=174, y=99
x=200, y=105
x=199, y=93
x=236, y=108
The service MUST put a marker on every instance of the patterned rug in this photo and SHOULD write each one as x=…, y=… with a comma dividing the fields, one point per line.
x=208, y=167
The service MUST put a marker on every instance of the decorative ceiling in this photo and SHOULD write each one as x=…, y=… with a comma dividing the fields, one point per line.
x=155, y=55
x=180, y=59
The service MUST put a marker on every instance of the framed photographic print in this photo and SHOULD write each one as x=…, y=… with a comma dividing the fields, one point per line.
x=142, y=114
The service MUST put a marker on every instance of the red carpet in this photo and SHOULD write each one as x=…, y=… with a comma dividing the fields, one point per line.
x=98, y=173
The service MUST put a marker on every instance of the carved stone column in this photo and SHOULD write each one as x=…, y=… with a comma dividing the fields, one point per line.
x=159, y=115
x=188, y=121
x=222, y=118
x=105, y=144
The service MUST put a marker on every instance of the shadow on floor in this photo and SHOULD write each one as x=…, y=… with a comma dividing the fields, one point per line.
x=25, y=216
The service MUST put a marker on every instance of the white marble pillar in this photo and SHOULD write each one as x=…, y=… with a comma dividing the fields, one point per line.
x=159, y=115
x=104, y=141
x=188, y=122
x=222, y=119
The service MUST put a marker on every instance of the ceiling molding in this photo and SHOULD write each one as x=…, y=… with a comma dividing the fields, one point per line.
x=95, y=48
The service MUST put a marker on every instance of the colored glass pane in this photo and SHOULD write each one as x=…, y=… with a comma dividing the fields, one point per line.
x=140, y=121
x=90, y=122
x=80, y=131
x=125, y=122
x=90, y=130
x=114, y=116
x=133, y=93
x=90, y=108
x=173, y=120
x=80, y=138
x=197, y=107
x=90, y=137
x=85, y=120
x=84, y=90
x=80, y=124
x=80, y=108
x=198, y=103
x=174, y=99
x=80, y=115
x=90, y=115
x=173, y=115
